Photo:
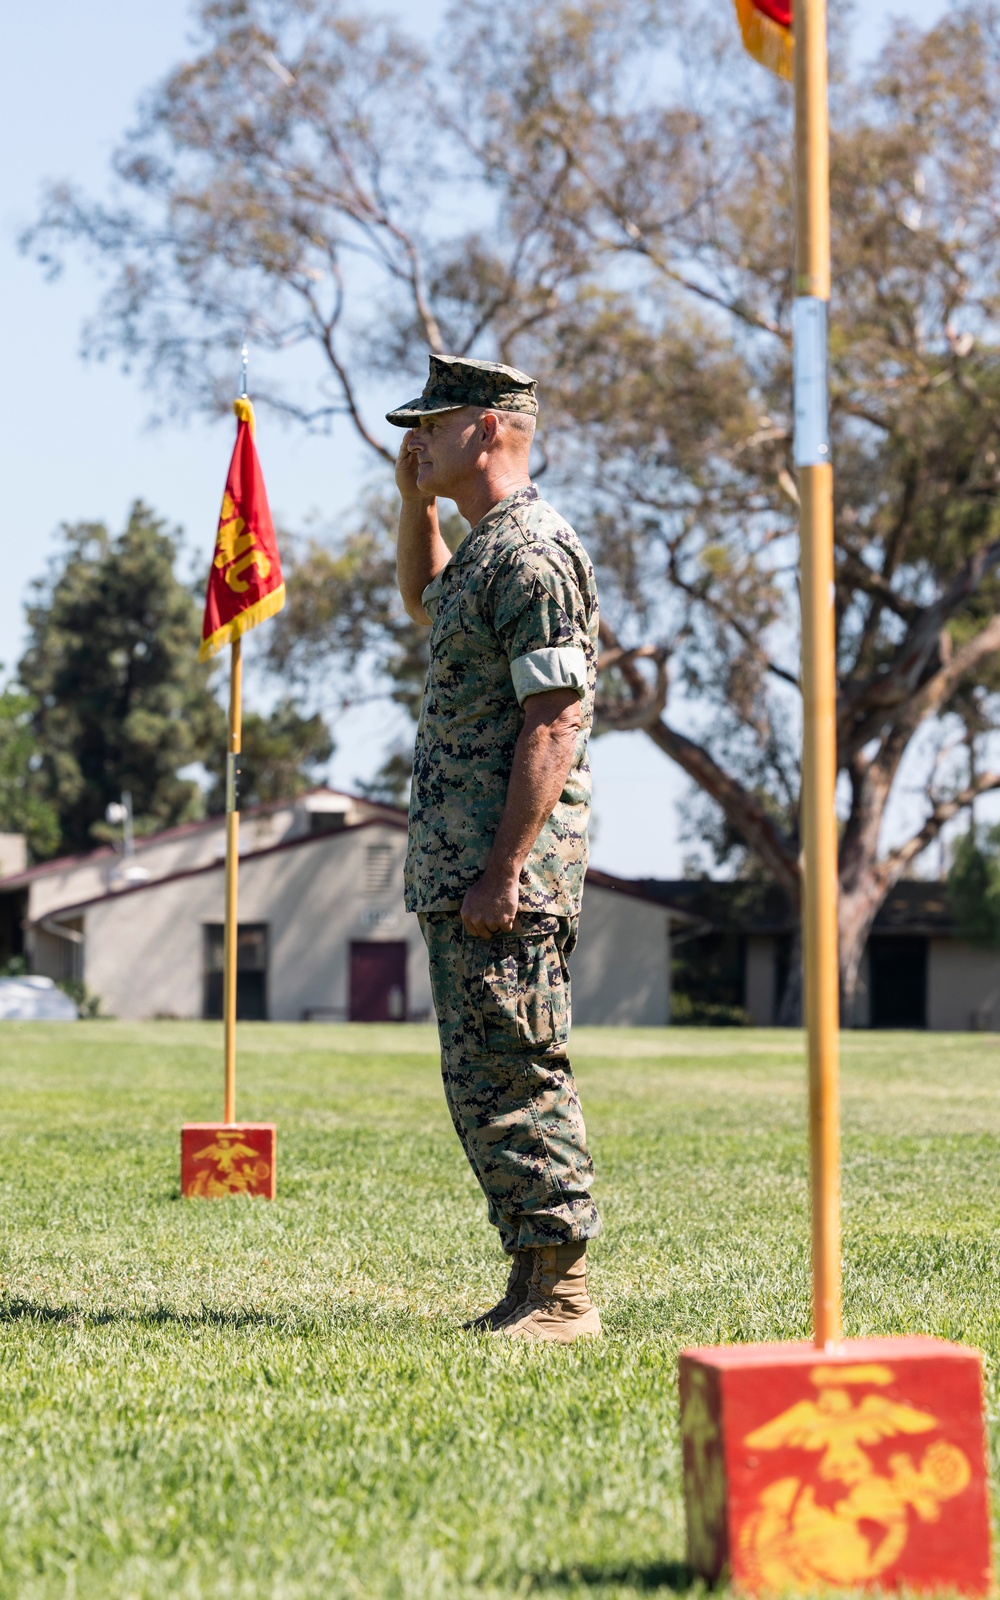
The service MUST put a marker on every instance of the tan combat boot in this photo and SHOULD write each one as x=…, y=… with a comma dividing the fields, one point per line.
x=514, y=1297
x=558, y=1308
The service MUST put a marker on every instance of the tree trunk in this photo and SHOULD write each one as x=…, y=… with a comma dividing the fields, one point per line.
x=856, y=912
x=863, y=886
x=790, y=1003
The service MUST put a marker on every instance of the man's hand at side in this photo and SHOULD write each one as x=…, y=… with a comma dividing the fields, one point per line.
x=490, y=906
x=543, y=756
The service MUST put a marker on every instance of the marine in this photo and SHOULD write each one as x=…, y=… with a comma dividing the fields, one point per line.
x=499, y=808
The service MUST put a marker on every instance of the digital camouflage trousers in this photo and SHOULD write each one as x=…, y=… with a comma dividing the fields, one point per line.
x=503, y=1013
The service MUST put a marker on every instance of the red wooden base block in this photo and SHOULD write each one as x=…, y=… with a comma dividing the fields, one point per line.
x=862, y=1467
x=220, y=1158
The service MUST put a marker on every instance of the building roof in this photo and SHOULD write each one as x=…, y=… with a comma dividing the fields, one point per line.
x=219, y=865
x=743, y=907
x=737, y=906
x=640, y=889
x=395, y=818
x=913, y=906
x=186, y=830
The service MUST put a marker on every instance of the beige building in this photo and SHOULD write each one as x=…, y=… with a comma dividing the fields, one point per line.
x=915, y=972
x=323, y=931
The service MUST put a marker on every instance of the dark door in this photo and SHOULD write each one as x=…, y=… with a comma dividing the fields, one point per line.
x=898, y=968
x=378, y=980
x=251, y=971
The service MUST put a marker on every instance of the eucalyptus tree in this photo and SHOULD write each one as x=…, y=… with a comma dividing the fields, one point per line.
x=601, y=192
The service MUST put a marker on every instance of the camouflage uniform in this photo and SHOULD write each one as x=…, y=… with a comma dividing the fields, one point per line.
x=502, y=1007
x=513, y=614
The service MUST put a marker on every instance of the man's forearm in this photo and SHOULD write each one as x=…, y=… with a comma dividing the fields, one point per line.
x=543, y=756
x=421, y=553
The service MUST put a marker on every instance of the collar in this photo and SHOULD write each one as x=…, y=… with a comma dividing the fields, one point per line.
x=476, y=536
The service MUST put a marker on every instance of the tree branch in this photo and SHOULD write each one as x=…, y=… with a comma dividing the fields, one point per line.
x=638, y=244
x=943, y=811
x=646, y=702
x=900, y=685
x=744, y=810
x=873, y=583
x=749, y=638
x=325, y=330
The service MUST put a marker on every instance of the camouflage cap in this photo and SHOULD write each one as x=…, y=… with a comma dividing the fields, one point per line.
x=459, y=381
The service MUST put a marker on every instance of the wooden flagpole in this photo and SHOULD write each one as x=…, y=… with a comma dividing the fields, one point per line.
x=736, y=1401
x=819, y=757
x=232, y=877
x=231, y=936
x=229, y=1157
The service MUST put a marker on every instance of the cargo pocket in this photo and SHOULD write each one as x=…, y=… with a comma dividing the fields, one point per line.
x=525, y=993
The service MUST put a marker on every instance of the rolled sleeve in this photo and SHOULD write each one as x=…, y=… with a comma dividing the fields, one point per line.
x=540, y=619
x=556, y=667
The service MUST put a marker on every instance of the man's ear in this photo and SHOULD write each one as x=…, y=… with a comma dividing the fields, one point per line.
x=489, y=425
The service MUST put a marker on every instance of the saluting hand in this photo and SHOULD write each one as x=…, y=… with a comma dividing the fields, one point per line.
x=407, y=463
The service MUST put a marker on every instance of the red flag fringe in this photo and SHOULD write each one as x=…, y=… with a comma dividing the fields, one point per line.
x=766, y=40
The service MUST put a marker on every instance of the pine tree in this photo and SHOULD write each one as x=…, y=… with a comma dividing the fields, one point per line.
x=23, y=806
x=281, y=758
x=120, y=699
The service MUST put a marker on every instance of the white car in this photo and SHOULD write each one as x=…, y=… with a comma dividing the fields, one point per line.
x=34, y=1000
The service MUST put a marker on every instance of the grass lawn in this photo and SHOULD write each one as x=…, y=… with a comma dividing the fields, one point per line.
x=241, y=1399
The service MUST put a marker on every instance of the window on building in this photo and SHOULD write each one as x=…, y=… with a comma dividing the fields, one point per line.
x=251, y=971
x=327, y=821
x=13, y=914
x=378, y=868
x=898, y=967
x=58, y=946
x=709, y=984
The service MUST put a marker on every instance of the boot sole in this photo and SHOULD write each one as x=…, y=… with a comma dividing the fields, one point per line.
x=485, y=1324
x=586, y=1327
x=491, y=1320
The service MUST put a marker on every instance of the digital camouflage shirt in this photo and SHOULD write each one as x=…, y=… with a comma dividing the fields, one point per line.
x=514, y=613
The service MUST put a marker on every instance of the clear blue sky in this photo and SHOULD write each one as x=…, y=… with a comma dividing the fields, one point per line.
x=74, y=438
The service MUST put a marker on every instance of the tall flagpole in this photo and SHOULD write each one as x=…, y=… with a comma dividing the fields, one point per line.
x=734, y=1398
x=819, y=755
x=233, y=845
x=232, y=877
x=245, y=586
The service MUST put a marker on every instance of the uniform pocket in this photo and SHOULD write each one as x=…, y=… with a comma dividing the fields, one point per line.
x=525, y=1003
x=448, y=622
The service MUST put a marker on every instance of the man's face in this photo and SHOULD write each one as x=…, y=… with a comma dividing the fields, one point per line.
x=446, y=450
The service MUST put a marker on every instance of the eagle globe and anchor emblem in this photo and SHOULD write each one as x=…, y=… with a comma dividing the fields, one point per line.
x=793, y=1537
x=236, y=1167
x=854, y=1532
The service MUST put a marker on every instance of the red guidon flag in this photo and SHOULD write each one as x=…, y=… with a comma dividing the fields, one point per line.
x=766, y=26
x=245, y=583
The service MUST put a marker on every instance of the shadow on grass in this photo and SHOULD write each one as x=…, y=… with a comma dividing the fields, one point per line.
x=676, y=1576
x=17, y=1310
